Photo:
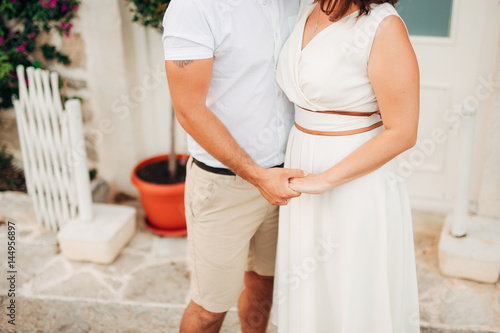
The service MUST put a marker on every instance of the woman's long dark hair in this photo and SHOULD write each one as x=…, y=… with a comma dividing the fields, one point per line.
x=337, y=9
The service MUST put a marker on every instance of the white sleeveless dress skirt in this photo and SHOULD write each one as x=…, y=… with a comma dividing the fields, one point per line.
x=345, y=260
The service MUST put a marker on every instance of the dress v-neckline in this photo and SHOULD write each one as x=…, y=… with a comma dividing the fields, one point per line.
x=302, y=48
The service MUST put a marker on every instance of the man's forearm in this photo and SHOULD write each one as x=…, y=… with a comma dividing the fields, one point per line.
x=204, y=126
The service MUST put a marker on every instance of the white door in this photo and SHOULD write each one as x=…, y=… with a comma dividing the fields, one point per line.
x=456, y=43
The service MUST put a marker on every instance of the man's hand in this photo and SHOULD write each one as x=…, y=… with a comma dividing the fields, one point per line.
x=273, y=184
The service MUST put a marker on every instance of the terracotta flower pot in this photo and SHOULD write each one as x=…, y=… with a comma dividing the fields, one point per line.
x=162, y=203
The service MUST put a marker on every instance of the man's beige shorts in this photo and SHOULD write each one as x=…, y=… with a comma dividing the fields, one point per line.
x=231, y=229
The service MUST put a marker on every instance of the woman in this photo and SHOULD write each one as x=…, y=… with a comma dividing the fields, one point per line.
x=345, y=250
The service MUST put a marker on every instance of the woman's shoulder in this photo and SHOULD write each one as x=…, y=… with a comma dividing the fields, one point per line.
x=383, y=20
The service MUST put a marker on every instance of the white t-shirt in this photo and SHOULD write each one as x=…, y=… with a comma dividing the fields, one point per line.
x=244, y=37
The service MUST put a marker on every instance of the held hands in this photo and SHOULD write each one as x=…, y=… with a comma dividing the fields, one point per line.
x=311, y=184
x=273, y=184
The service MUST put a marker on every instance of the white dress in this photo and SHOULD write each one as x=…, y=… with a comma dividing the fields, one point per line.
x=345, y=261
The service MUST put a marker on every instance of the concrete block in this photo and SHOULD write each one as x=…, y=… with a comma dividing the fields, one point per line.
x=102, y=239
x=475, y=256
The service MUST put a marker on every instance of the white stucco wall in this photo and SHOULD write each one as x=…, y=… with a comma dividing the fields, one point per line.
x=110, y=130
x=489, y=194
x=130, y=99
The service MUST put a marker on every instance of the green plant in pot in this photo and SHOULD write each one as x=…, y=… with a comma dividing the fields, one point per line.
x=160, y=179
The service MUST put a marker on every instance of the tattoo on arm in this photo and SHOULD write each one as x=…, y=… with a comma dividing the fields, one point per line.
x=182, y=63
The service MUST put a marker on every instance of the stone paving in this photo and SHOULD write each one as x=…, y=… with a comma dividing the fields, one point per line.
x=147, y=287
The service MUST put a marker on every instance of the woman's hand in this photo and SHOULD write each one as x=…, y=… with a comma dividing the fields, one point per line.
x=312, y=184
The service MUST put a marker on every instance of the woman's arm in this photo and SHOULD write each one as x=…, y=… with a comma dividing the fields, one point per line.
x=393, y=71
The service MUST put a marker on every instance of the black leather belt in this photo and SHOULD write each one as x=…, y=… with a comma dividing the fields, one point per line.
x=220, y=171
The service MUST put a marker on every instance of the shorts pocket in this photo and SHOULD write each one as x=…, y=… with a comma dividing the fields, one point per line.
x=201, y=192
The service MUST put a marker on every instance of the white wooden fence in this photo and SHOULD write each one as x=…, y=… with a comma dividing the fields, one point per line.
x=54, y=161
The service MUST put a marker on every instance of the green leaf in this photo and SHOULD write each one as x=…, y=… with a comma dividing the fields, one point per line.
x=62, y=58
x=48, y=51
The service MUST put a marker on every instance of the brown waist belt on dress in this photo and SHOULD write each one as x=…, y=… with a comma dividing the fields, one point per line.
x=340, y=133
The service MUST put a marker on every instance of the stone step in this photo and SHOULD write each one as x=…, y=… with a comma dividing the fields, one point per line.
x=79, y=316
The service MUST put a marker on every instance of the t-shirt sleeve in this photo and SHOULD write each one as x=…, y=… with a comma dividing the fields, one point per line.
x=186, y=31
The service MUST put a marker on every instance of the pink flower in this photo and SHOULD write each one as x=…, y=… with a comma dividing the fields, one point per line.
x=65, y=25
x=20, y=48
x=14, y=1
x=31, y=35
x=1, y=39
x=74, y=7
x=48, y=3
x=63, y=8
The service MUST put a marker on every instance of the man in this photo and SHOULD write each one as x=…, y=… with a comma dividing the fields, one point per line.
x=220, y=60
